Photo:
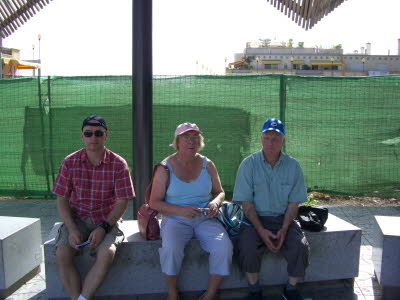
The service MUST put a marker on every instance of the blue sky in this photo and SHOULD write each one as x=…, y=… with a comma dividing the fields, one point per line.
x=92, y=37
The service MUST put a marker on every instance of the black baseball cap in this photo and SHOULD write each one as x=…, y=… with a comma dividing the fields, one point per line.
x=102, y=122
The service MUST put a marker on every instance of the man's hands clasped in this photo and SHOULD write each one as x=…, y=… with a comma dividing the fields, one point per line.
x=273, y=241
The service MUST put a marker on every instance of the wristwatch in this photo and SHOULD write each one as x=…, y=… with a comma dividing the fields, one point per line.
x=105, y=226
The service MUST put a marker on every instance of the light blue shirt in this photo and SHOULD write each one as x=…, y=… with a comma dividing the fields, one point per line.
x=196, y=193
x=270, y=189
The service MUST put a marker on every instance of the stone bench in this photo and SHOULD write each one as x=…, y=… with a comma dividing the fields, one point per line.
x=386, y=256
x=20, y=252
x=136, y=270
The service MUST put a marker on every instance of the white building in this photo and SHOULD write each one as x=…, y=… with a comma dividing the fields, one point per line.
x=278, y=58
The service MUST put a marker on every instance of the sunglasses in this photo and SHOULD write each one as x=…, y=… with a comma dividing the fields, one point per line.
x=97, y=133
x=188, y=138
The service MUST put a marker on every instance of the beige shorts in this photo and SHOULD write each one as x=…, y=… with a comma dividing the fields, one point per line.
x=114, y=237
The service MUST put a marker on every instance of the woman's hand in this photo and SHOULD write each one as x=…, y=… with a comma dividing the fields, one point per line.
x=213, y=212
x=189, y=212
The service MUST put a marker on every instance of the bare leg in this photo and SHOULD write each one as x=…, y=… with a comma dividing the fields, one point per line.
x=172, y=281
x=67, y=271
x=214, y=281
x=252, y=278
x=98, y=272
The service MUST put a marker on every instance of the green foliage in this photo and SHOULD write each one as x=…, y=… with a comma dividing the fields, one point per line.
x=311, y=200
x=300, y=45
x=338, y=46
x=249, y=59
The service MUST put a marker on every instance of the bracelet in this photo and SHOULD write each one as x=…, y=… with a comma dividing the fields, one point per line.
x=106, y=226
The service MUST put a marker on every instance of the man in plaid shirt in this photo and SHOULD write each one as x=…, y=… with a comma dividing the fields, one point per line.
x=93, y=187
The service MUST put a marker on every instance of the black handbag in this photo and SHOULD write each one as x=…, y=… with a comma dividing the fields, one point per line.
x=312, y=217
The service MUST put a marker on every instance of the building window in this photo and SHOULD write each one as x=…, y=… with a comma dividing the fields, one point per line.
x=335, y=68
x=270, y=67
x=314, y=67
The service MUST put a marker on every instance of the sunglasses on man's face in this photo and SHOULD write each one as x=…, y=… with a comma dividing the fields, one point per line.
x=97, y=133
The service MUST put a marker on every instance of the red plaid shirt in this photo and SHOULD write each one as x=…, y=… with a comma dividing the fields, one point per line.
x=93, y=190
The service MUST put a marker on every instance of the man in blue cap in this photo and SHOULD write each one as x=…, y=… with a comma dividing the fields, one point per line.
x=270, y=186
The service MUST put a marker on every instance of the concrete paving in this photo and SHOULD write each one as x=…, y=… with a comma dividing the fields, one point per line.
x=365, y=286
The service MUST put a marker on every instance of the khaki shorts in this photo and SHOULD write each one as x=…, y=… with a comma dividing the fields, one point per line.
x=114, y=237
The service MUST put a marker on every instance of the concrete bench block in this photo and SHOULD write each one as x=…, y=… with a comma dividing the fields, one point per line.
x=20, y=252
x=386, y=254
x=136, y=270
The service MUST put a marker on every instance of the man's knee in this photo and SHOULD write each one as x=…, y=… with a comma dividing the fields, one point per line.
x=106, y=254
x=64, y=255
x=299, y=246
x=247, y=246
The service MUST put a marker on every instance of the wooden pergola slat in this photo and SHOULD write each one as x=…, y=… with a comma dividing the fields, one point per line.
x=306, y=13
x=14, y=13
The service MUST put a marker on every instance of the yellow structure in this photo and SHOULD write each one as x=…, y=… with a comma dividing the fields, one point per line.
x=11, y=63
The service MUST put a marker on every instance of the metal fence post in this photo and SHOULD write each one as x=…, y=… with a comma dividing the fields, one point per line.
x=282, y=101
x=142, y=98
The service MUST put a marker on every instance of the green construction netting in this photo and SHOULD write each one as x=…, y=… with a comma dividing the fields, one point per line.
x=345, y=132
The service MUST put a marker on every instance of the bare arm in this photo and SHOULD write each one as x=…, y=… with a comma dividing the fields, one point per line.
x=158, y=195
x=98, y=234
x=117, y=212
x=74, y=235
x=217, y=190
x=267, y=236
x=290, y=214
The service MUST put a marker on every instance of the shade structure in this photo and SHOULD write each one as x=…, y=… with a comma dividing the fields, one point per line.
x=13, y=14
x=306, y=13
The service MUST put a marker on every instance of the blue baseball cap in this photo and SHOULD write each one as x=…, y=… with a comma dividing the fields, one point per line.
x=275, y=125
x=102, y=122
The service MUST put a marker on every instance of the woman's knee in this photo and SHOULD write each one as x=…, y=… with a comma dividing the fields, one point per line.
x=224, y=248
x=171, y=250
